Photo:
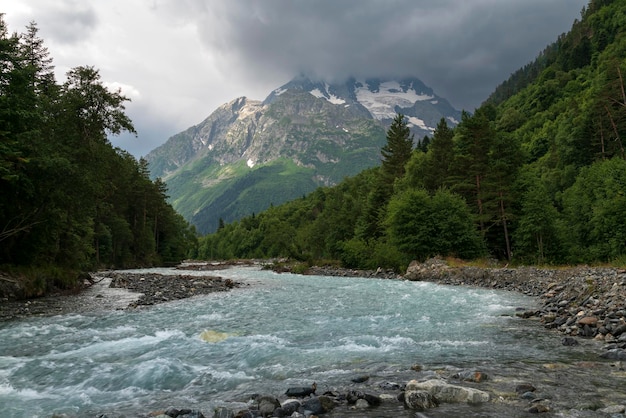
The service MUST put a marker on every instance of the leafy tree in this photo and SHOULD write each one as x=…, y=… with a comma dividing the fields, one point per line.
x=595, y=209
x=538, y=237
x=505, y=159
x=422, y=226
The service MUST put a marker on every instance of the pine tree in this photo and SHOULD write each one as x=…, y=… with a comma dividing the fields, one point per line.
x=397, y=150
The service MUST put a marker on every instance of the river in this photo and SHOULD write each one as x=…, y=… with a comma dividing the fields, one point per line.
x=284, y=330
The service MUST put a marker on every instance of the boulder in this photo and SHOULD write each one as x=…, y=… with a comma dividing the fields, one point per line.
x=290, y=406
x=569, y=341
x=446, y=392
x=301, y=392
x=267, y=404
x=318, y=405
x=614, y=354
x=361, y=404
x=420, y=400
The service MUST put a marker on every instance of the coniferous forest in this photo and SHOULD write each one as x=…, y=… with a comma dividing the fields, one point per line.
x=536, y=175
x=71, y=202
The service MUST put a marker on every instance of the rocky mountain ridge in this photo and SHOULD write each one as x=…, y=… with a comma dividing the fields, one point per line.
x=248, y=154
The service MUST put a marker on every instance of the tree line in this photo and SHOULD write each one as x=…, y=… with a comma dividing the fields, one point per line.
x=70, y=201
x=536, y=175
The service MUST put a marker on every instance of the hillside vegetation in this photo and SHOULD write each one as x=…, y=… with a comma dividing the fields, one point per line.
x=69, y=201
x=536, y=175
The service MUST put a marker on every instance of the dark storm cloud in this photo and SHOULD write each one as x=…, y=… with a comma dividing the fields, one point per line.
x=463, y=49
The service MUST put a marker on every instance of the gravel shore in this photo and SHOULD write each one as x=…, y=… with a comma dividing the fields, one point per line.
x=113, y=290
x=578, y=302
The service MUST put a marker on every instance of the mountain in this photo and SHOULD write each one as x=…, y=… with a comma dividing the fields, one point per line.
x=248, y=155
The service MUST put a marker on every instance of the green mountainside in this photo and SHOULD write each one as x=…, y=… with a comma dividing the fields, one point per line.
x=540, y=168
x=249, y=155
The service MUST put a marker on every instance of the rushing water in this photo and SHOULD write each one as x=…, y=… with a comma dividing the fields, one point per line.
x=280, y=331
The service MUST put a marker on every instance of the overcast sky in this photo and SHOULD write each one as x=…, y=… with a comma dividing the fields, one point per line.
x=178, y=60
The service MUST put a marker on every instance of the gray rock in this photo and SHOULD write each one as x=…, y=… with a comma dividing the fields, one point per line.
x=446, y=392
x=314, y=406
x=569, y=341
x=361, y=404
x=420, y=400
x=301, y=392
x=267, y=404
x=614, y=409
x=524, y=387
x=614, y=354
x=290, y=406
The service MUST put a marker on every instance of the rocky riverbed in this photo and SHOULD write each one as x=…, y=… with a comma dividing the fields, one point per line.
x=578, y=302
x=585, y=305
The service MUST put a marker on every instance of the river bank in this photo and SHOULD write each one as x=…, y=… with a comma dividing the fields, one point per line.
x=588, y=302
x=114, y=290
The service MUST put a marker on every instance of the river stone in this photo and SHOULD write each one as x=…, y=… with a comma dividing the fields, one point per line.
x=290, y=406
x=267, y=404
x=524, y=387
x=420, y=400
x=446, y=392
x=619, y=330
x=386, y=398
x=318, y=405
x=614, y=409
x=569, y=341
x=301, y=392
x=614, y=354
x=361, y=404
x=588, y=320
x=353, y=396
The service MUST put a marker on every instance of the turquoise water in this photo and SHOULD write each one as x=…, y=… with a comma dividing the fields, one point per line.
x=280, y=330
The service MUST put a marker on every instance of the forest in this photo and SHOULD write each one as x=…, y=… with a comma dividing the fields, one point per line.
x=536, y=175
x=70, y=202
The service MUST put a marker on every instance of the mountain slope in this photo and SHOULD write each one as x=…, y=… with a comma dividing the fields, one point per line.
x=249, y=154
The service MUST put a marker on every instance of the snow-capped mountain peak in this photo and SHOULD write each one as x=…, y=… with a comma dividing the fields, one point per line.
x=383, y=98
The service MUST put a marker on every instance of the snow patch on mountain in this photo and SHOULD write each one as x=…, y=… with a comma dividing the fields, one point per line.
x=328, y=96
x=413, y=121
x=279, y=91
x=382, y=103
